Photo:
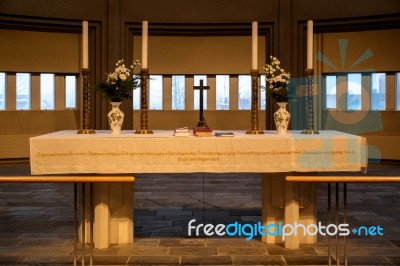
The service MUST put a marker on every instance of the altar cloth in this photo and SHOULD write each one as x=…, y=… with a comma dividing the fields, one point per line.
x=103, y=153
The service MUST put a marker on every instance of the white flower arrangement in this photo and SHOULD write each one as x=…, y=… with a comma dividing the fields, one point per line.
x=277, y=80
x=120, y=83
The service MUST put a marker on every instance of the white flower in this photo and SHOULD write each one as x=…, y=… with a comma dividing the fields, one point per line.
x=121, y=72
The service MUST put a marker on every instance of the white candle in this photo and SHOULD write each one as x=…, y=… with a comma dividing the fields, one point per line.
x=254, y=46
x=310, y=47
x=85, y=44
x=145, y=36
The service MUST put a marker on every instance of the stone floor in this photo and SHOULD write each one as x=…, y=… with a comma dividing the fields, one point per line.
x=36, y=222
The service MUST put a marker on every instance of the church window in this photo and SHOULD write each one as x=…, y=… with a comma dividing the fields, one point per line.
x=197, y=79
x=2, y=91
x=263, y=95
x=70, y=91
x=354, y=91
x=222, y=92
x=136, y=99
x=330, y=91
x=156, y=92
x=397, y=91
x=46, y=91
x=244, y=92
x=23, y=93
x=378, y=91
x=178, y=92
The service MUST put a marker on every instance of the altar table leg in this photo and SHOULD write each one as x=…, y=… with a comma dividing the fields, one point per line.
x=287, y=203
x=121, y=210
x=101, y=216
x=113, y=214
x=271, y=213
x=292, y=213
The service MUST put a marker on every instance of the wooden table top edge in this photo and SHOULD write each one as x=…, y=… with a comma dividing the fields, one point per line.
x=346, y=179
x=67, y=179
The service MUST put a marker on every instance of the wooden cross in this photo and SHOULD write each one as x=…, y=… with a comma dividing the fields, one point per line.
x=201, y=88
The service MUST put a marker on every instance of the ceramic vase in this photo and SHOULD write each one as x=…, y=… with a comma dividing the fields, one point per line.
x=115, y=118
x=282, y=118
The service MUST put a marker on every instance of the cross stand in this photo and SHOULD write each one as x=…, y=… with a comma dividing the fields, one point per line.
x=86, y=104
x=202, y=124
x=309, y=104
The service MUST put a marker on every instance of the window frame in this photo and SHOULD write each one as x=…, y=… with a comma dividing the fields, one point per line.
x=41, y=90
x=29, y=99
x=76, y=77
x=391, y=88
x=183, y=107
x=4, y=99
x=249, y=92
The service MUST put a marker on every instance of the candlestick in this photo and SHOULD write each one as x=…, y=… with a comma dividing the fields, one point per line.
x=85, y=44
x=254, y=45
x=145, y=35
x=85, y=104
x=310, y=47
x=310, y=103
x=144, y=107
x=254, y=104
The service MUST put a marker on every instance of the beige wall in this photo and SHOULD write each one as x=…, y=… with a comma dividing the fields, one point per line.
x=200, y=55
x=18, y=126
x=33, y=51
x=381, y=46
x=110, y=20
x=382, y=128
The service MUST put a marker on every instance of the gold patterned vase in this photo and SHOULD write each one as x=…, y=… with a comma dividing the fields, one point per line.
x=115, y=118
x=282, y=118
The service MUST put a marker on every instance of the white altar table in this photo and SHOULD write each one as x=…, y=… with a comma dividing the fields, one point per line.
x=66, y=152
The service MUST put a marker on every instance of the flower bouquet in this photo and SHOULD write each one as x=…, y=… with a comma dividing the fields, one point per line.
x=277, y=81
x=118, y=87
x=278, y=89
x=119, y=84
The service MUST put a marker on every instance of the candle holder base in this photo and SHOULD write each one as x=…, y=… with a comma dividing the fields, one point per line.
x=254, y=132
x=143, y=131
x=86, y=131
x=309, y=131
